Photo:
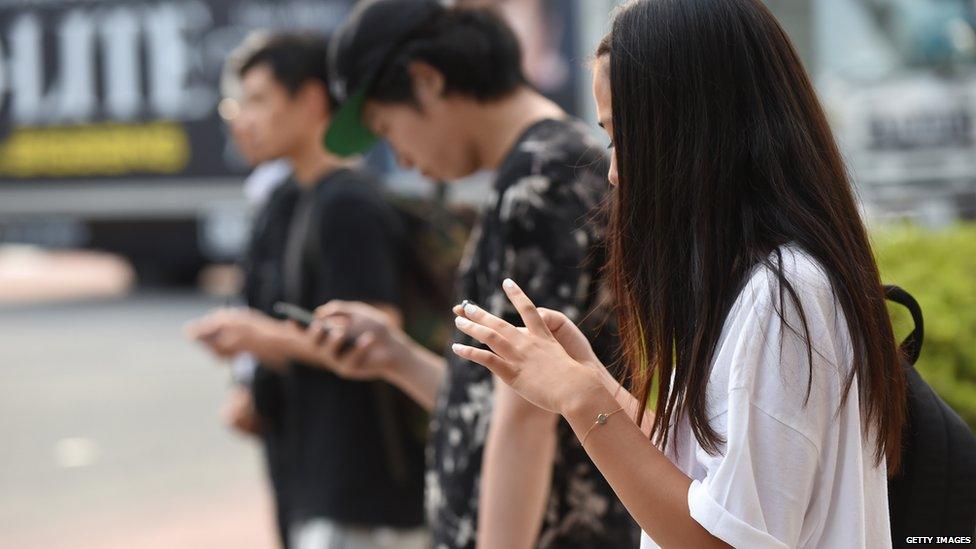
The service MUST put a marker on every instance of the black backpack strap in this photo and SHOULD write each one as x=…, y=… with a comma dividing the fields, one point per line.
x=911, y=347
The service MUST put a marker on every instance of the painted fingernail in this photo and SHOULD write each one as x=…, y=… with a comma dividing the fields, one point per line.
x=508, y=283
x=461, y=322
x=470, y=309
x=457, y=347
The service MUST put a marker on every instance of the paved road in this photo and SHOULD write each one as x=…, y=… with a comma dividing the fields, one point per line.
x=109, y=435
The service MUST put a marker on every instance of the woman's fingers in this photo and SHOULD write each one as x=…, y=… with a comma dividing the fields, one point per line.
x=498, y=366
x=486, y=335
x=526, y=309
x=477, y=314
x=554, y=319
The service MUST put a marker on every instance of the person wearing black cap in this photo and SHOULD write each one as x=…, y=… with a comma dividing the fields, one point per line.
x=444, y=87
x=345, y=464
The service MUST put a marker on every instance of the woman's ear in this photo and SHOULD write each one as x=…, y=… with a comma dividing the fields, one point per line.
x=428, y=82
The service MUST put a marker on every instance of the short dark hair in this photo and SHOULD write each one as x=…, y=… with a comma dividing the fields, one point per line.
x=294, y=60
x=474, y=49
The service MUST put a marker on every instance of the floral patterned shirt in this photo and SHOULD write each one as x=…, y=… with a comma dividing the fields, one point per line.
x=543, y=228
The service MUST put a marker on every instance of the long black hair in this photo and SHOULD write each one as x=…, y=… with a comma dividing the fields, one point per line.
x=724, y=155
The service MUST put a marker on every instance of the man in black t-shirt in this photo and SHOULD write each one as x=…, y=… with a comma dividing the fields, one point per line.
x=345, y=463
x=444, y=87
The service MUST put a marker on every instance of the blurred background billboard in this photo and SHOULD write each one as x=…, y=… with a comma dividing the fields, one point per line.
x=110, y=119
x=111, y=135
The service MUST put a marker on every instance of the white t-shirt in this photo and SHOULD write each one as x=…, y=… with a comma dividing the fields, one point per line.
x=788, y=474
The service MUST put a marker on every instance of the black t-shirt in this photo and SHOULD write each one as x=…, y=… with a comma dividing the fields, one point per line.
x=347, y=450
x=542, y=228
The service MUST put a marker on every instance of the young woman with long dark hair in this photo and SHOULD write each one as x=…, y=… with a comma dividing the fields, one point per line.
x=751, y=309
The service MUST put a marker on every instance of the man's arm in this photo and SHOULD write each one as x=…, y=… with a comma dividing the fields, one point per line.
x=228, y=332
x=420, y=375
x=522, y=441
x=381, y=350
x=516, y=473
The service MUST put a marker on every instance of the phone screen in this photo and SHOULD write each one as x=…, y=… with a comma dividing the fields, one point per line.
x=294, y=312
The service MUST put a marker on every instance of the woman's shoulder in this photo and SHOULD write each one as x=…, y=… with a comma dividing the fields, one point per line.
x=790, y=294
x=786, y=342
x=787, y=269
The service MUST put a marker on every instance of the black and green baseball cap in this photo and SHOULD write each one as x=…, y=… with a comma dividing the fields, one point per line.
x=359, y=49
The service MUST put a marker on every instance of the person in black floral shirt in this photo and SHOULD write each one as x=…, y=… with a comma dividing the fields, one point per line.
x=541, y=229
x=444, y=87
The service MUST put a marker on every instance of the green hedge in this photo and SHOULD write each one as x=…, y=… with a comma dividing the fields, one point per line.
x=938, y=267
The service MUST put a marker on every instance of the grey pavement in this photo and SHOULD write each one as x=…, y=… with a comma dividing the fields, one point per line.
x=109, y=434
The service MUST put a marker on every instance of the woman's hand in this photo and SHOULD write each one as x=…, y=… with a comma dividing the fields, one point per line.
x=546, y=370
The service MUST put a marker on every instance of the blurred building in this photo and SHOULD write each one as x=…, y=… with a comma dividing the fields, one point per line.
x=898, y=81
x=111, y=137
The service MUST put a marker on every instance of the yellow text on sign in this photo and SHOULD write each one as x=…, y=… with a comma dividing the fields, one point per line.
x=95, y=149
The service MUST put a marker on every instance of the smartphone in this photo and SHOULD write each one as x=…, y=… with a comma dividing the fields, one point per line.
x=304, y=317
x=288, y=310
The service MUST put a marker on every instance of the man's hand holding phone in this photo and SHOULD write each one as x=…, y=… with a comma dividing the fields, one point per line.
x=357, y=340
x=227, y=332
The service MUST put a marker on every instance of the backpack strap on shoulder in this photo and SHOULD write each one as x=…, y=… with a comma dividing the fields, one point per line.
x=911, y=347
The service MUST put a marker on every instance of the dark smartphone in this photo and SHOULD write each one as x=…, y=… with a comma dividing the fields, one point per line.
x=305, y=318
x=288, y=310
